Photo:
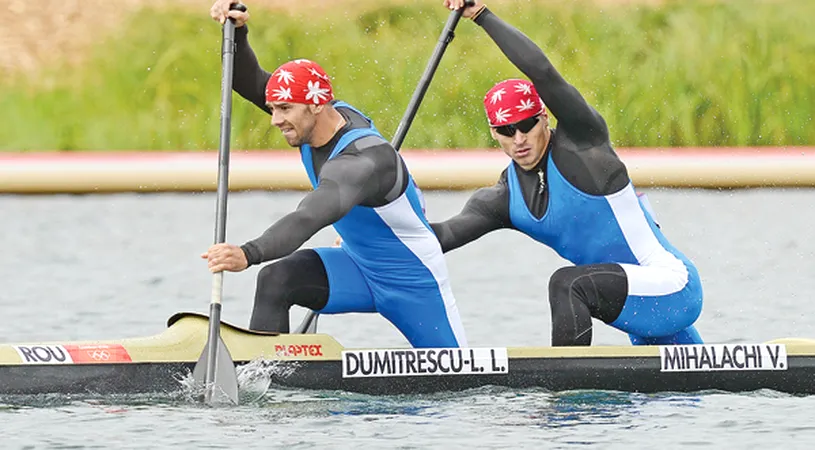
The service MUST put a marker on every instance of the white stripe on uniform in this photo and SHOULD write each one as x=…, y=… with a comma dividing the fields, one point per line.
x=415, y=235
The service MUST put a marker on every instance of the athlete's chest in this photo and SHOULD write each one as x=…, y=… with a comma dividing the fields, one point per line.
x=318, y=160
x=534, y=189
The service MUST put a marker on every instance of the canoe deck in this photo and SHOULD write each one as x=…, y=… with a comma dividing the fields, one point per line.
x=318, y=361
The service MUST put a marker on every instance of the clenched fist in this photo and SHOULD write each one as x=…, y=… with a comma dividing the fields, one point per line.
x=225, y=257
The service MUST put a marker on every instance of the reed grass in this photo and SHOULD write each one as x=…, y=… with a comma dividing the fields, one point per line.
x=683, y=73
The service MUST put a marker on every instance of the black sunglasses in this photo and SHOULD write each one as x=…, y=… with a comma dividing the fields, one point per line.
x=524, y=126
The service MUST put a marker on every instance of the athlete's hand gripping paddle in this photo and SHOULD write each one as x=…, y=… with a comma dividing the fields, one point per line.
x=215, y=369
x=309, y=324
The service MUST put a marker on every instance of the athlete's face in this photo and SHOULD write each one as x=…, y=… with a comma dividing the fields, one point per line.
x=295, y=120
x=525, y=148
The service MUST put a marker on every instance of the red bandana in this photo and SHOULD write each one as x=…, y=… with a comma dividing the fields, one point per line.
x=511, y=101
x=299, y=81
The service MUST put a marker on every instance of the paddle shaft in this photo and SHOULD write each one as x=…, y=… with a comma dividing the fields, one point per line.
x=227, y=59
x=447, y=35
x=445, y=38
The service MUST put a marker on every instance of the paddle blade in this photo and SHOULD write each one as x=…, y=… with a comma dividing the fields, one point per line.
x=224, y=385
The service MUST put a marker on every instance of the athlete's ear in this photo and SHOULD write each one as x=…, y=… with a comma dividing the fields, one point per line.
x=493, y=133
x=316, y=109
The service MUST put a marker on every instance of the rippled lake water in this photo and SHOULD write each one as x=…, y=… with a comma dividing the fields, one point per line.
x=114, y=266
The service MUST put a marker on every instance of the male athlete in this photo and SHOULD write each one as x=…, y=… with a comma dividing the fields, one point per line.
x=390, y=261
x=567, y=189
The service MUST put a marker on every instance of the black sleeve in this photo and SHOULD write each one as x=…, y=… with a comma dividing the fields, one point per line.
x=249, y=79
x=487, y=210
x=565, y=102
x=345, y=181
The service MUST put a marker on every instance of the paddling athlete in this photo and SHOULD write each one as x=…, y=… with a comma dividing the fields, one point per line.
x=390, y=261
x=567, y=189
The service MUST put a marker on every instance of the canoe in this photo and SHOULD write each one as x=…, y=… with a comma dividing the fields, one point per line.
x=156, y=364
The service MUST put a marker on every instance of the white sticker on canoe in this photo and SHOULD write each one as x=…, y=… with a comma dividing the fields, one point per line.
x=424, y=361
x=43, y=354
x=716, y=357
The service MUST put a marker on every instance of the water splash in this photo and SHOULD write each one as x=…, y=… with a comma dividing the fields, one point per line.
x=254, y=379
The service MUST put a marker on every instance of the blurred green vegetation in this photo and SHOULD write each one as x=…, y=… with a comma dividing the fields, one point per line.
x=686, y=73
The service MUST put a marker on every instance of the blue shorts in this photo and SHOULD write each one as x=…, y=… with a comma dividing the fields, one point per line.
x=417, y=310
x=661, y=319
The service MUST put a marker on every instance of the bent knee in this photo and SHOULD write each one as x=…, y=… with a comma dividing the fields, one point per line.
x=275, y=279
x=561, y=281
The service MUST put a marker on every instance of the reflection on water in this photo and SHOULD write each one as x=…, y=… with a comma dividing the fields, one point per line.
x=579, y=407
x=536, y=406
x=545, y=408
x=337, y=403
x=621, y=409
x=488, y=417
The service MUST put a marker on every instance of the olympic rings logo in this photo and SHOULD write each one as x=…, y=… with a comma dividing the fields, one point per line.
x=99, y=355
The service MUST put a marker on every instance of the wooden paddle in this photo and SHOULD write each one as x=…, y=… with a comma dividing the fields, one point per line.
x=215, y=369
x=309, y=323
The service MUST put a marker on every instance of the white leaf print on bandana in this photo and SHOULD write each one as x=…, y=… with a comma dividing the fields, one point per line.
x=315, y=92
x=524, y=88
x=502, y=115
x=526, y=105
x=282, y=94
x=317, y=74
x=497, y=96
x=284, y=76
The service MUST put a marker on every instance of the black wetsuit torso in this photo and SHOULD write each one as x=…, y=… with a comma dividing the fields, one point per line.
x=579, y=147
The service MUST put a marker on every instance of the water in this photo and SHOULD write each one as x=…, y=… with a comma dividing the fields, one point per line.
x=115, y=266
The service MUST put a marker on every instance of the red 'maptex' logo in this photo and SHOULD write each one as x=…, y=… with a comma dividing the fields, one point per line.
x=299, y=350
x=98, y=354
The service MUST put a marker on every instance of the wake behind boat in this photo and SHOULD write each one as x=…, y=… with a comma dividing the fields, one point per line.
x=155, y=364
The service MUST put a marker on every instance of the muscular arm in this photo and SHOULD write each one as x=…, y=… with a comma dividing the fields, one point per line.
x=582, y=150
x=565, y=102
x=345, y=181
x=249, y=79
x=487, y=210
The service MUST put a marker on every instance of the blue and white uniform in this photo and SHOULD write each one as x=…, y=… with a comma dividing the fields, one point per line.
x=664, y=290
x=579, y=200
x=390, y=261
